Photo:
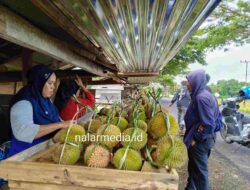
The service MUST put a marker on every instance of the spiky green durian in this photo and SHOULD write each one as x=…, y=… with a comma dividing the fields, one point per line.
x=174, y=127
x=138, y=141
x=141, y=124
x=149, y=110
x=132, y=161
x=96, y=156
x=158, y=125
x=171, y=152
x=121, y=122
x=142, y=115
x=70, y=155
x=75, y=134
x=93, y=125
x=108, y=135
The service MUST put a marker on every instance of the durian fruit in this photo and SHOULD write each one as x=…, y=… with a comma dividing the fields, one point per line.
x=71, y=154
x=82, y=123
x=151, y=142
x=133, y=160
x=108, y=135
x=142, y=115
x=104, y=111
x=171, y=152
x=92, y=126
x=141, y=124
x=157, y=126
x=145, y=100
x=138, y=142
x=103, y=119
x=75, y=134
x=129, y=115
x=148, y=110
x=124, y=114
x=123, y=124
x=174, y=127
x=89, y=139
x=96, y=156
x=147, y=167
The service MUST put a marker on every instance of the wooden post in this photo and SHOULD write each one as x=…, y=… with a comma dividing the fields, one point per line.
x=26, y=63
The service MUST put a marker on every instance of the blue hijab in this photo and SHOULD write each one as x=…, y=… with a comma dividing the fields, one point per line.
x=44, y=112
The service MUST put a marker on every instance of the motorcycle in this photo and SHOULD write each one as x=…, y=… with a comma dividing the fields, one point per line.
x=236, y=125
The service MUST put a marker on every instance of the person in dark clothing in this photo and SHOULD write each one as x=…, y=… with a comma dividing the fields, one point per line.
x=182, y=98
x=208, y=79
x=200, y=121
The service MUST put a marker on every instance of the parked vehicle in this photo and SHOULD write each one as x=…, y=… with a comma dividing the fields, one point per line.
x=236, y=125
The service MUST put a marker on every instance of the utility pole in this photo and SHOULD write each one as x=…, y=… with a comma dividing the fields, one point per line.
x=244, y=103
x=245, y=61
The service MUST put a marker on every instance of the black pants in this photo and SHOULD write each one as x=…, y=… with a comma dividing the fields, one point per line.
x=198, y=165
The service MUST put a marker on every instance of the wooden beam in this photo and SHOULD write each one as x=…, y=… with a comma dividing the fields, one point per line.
x=138, y=74
x=73, y=73
x=4, y=44
x=17, y=30
x=4, y=56
x=15, y=76
x=13, y=60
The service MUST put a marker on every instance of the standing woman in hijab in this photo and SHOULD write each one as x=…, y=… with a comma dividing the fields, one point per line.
x=33, y=116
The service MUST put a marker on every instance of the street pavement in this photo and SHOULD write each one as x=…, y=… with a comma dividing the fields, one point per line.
x=237, y=154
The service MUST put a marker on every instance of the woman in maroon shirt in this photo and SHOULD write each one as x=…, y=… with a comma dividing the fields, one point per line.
x=65, y=103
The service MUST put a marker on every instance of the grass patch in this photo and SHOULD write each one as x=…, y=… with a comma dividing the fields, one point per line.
x=245, y=106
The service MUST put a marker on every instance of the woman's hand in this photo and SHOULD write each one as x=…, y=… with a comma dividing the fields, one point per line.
x=80, y=84
x=46, y=129
x=78, y=80
x=64, y=124
x=193, y=142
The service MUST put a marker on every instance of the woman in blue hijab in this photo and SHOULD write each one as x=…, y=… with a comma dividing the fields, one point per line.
x=33, y=116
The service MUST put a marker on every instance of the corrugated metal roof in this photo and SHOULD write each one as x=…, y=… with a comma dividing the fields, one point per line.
x=137, y=35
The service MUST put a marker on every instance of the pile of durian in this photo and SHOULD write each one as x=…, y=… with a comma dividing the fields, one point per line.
x=158, y=146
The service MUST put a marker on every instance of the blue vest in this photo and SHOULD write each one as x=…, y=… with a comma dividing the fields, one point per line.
x=44, y=112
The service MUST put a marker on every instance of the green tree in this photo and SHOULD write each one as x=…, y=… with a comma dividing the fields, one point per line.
x=228, y=24
x=226, y=88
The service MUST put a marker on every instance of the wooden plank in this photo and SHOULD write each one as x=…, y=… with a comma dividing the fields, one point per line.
x=42, y=186
x=17, y=30
x=30, y=151
x=85, y=176
x=43, y=153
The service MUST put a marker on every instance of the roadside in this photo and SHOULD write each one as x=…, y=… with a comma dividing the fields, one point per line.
x=223, y=174
x=229, y=164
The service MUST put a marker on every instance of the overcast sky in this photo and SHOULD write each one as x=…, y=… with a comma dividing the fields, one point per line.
x=226, y=65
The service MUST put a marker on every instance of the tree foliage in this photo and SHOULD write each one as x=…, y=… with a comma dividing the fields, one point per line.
x=229, y=23
x=227, y=88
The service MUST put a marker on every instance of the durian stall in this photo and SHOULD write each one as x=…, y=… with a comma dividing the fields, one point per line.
x=116, y=41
